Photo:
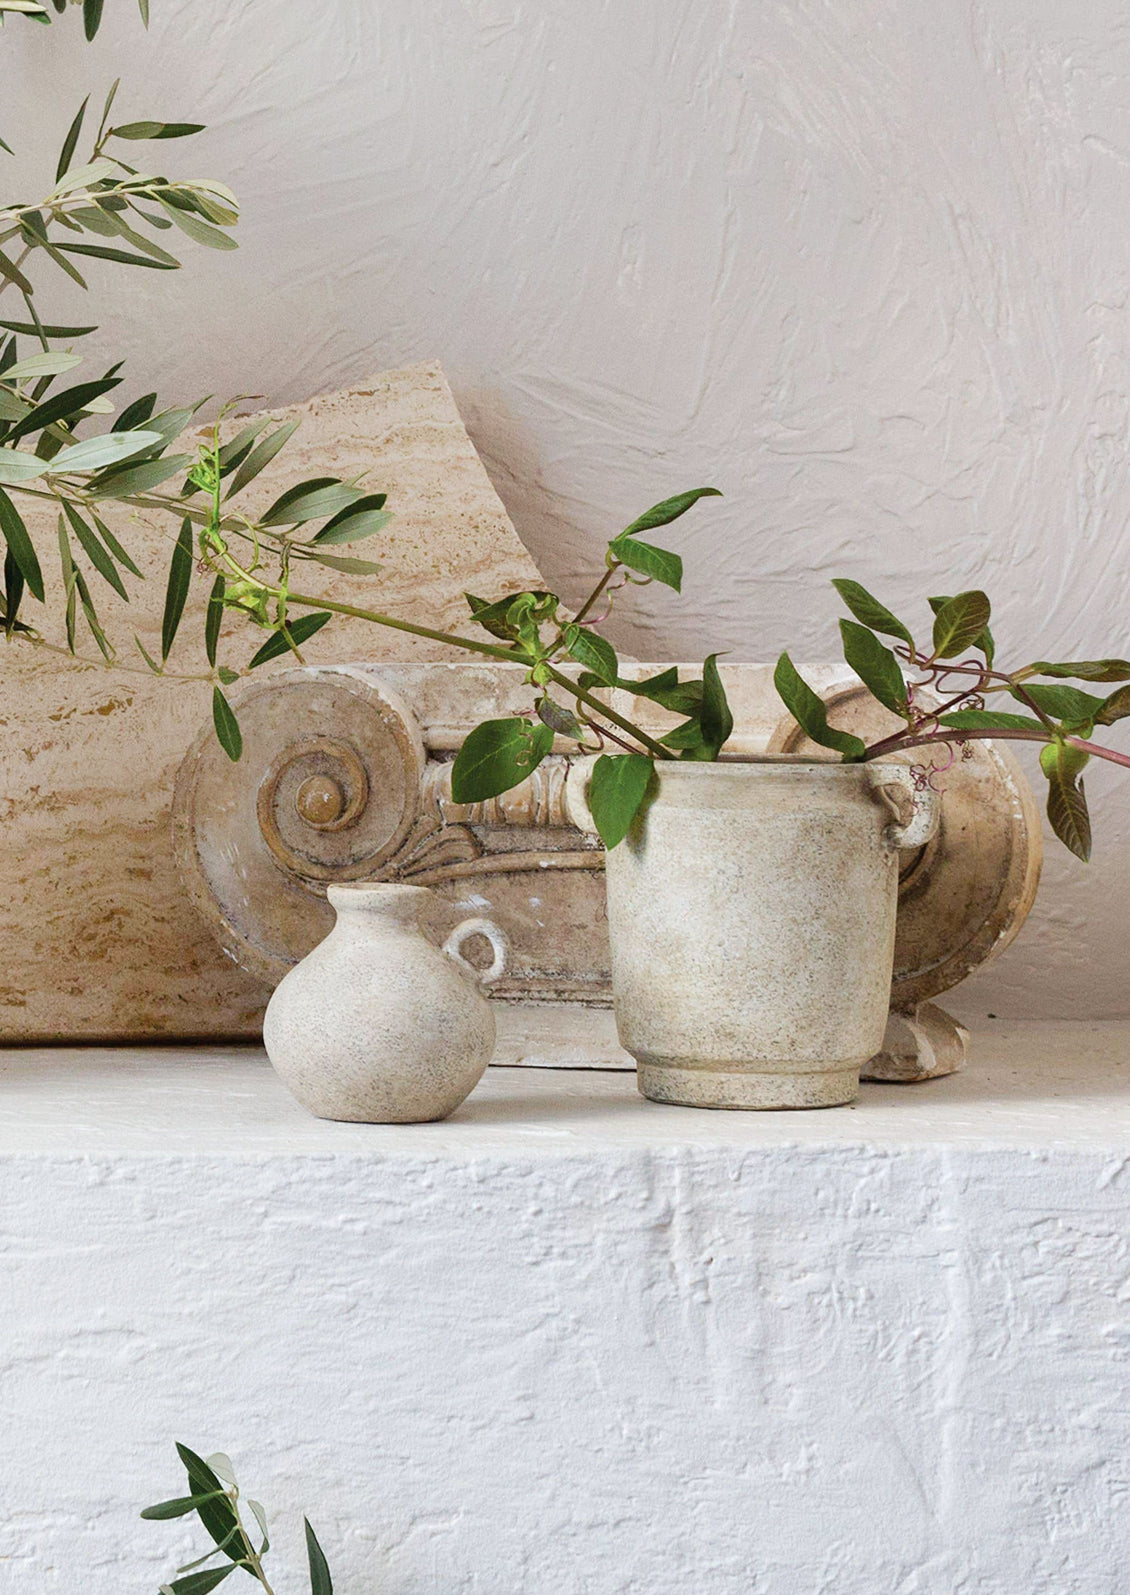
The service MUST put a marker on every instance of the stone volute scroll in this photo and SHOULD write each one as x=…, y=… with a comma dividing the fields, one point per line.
x=345, y=777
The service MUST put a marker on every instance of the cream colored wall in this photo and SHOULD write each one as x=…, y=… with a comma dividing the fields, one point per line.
x=862, y=264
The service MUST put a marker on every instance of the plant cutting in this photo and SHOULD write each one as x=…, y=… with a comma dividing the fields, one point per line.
x=214, y=1496
x=751, y=903
x=941, y=691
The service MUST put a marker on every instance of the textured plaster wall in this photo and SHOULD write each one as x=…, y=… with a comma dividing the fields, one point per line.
x=570, y=1343
x=863, y=264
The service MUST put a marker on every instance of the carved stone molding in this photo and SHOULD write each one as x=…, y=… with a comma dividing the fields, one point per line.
x=346, y=775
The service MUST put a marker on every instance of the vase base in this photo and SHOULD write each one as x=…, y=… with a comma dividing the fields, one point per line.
x=746, y=1088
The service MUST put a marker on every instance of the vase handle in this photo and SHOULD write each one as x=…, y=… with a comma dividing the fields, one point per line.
x=497, y=939
x=925, y=809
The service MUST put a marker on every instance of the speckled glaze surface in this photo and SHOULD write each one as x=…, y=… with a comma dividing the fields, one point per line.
x=752, y=917
x=377, y=1025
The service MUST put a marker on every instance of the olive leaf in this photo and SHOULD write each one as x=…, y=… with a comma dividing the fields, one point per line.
x=227, y=726
x=350, y=525
x=176, y=591
x=320, y=1580
x=20, y=546
x=290, y=637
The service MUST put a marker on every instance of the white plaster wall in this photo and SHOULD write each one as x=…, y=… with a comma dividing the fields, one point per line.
x=572, y=1343
x=861, y=263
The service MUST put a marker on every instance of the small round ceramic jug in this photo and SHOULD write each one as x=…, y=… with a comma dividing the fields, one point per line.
x=377, y=1025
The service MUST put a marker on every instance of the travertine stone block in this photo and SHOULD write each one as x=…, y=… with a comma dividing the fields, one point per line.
x=97, y=937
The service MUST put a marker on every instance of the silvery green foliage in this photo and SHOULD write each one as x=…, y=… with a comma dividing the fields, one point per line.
x=214, y=1496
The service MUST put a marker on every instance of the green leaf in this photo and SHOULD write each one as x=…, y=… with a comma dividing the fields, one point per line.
x=592, y=651
x=200, y=232
x=260, y=1518
x=875, y=665
x=67, y=152
x=20, y=546
x=1067, y=804
x=669, y=510
x=47, y=364
x=70, y=582
x=94, y=551
x=114, y=546
x=92, y=618
x=1068, y=704
x=959, y=623
x=496, y=756
x=309, y=501
x=179, y=1507
x=989, y=720
x=1086, y=669
x=29, y=329
x=13, y=274
x=137, y=413
x=91, y=17
x=62, y=406
x=496, y=617
x=262, y=454
x=13, y=593
x=617, y=789
x=236, y=450
x=869, y=611
x=93, y=454
x=156, y=130
x=715, y=718
x=320, y=1581
x=121, y=256
x=1116, y=707
x=131, y=479
x=180, y=578
x=351, y=567
x=16, y=466
x=658, y=563
x=299, y=631
x=688, y=739
x=227, y=726
x=227, y=676
x=213, y=618
x=358, y=521
x=559, y=719
x=810, y=713
x=200, y=1583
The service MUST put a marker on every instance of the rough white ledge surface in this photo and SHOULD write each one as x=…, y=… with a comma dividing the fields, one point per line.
x=570, y=1341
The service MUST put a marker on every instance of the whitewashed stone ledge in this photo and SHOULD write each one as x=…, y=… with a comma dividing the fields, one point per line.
x=572, y=1343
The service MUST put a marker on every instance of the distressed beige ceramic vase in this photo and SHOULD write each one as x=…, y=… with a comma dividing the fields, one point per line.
x=377, y=1025
x=752, y=919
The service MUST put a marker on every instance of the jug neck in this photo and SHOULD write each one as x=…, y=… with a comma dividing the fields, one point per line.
x=380, y=902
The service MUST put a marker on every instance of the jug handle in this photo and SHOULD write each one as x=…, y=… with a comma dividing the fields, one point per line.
x=925, y=805
x=498, y=941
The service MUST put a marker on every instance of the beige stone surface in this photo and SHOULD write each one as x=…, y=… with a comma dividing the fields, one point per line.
x=97, y=936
